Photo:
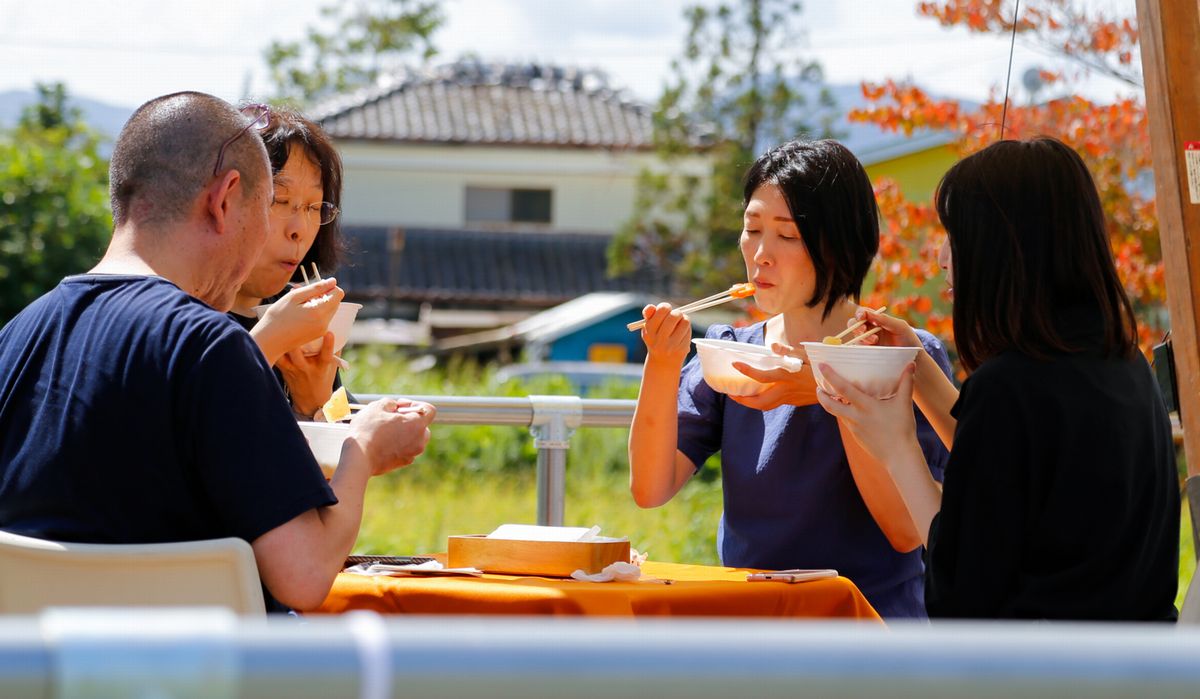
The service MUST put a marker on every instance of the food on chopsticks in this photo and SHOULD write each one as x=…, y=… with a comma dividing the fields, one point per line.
x=837, y=339
x=737, y=291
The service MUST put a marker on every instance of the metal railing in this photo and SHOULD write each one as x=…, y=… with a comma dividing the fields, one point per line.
x=98, y=653
x=551, y=419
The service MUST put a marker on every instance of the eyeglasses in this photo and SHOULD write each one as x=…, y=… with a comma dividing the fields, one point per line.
x=324, y=211
x=260, y=117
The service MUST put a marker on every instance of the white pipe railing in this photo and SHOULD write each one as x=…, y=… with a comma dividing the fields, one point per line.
x=209, y=653
x=552, y=419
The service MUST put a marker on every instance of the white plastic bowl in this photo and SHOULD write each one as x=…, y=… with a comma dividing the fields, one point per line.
x=325, y=440
x=340, y=326
x=874, y=370
x=717, y=358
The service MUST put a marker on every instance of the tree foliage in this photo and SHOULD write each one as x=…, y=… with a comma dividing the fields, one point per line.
x=1112, y=138
x=360, y=41
x=739, y=87
x=54, y=212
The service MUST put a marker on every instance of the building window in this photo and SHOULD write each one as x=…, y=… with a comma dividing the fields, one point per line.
x=495, y=205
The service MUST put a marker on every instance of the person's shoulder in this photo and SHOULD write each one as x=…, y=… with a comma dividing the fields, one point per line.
x=1006, y=372
x=722, y=331
x=932, y=343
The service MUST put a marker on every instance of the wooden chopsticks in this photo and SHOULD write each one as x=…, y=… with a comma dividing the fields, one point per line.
x=737, y=291
x=855, y=326
x=316, y=275
x=859, y=338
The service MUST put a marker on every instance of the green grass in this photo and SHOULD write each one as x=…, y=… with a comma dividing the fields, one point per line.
x=1187, y=556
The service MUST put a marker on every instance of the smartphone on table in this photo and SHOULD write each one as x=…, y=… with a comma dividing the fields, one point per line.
x=792, y=575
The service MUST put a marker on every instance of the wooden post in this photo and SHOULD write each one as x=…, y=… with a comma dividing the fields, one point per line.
x=1170, y=47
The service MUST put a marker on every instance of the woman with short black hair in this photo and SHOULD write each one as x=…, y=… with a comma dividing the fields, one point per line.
x=798, y=493
x=1061, y=497
x=304, y=230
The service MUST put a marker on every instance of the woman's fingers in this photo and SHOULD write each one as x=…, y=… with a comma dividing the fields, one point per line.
x=841, y=386
x=789, y=350
x=303, y=294
x=326, y=354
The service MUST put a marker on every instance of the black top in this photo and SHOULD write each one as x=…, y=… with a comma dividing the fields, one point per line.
x=249, y=323
x=132, y=413
x=1061, y=499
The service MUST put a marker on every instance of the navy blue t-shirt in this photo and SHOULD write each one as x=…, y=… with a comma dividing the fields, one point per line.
x=790, y=498
x=131, y=412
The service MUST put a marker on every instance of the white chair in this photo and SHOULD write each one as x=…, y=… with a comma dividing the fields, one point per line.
x=36, y=573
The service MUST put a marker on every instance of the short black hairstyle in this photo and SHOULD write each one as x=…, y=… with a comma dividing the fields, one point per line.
x=166, y=152
x=832, y=202
x=291, y=134
x=1028, y=239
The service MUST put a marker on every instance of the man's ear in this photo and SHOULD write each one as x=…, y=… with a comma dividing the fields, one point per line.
x=217, y=199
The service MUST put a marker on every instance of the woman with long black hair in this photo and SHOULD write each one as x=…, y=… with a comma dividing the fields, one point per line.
x=1060, y=498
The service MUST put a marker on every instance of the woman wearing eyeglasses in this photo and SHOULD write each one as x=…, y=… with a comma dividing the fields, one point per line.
x=307, y=174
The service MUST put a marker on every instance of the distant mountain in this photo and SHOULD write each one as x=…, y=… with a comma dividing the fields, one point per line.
x=105, y=118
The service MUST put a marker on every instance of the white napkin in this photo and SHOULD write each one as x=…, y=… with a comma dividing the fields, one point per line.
x=614, y=571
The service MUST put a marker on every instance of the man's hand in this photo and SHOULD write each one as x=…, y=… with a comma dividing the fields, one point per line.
x=309, y=379
x=391, y=432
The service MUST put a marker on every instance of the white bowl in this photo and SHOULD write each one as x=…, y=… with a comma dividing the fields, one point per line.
x=340, y=326
x=717, y=358
x=874, y=370
x=325, y=440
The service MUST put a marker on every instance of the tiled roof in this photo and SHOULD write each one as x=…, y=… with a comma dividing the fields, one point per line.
x=531, y=270
x=478, y=103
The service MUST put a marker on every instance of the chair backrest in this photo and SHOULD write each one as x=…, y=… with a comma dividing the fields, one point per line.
x=36, y=573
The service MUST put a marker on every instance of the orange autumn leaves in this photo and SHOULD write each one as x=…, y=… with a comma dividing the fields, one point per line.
x=1112, y=138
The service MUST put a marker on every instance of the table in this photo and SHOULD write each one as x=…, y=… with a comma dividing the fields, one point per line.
x=693, y=590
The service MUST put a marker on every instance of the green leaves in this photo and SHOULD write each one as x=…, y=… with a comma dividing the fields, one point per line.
x=54, y=215
x=361, y=41
x=737, y=89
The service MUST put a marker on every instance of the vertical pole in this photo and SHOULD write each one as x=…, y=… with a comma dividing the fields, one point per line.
x=1170, y=47
x=554, y=421
x=551, y=486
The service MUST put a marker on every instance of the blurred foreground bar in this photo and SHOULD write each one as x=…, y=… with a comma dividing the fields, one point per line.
x=209, y=653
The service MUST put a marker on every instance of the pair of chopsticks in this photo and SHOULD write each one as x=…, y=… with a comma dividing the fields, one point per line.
x=855, y=326
x=316, y=275
x=406, y=409
x=316, y=278
x=737, y=291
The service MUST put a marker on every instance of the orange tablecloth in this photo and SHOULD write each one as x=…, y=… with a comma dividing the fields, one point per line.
x=694, y=590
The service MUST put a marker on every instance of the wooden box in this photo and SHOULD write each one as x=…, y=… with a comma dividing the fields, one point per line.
x=553, y=558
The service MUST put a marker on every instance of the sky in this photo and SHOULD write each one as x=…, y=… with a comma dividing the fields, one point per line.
x=127, y=52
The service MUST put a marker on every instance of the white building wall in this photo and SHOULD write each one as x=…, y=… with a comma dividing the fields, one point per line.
x=424, y=185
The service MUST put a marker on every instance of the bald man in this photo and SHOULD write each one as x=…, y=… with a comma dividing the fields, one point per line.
x=133, y=410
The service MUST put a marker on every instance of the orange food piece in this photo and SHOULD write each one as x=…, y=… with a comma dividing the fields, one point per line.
x=741, y=291
x=831, y=340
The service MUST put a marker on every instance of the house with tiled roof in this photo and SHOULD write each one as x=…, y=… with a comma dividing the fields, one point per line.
x=481, y=192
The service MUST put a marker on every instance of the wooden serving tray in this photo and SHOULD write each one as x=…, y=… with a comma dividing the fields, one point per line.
x=552, y=558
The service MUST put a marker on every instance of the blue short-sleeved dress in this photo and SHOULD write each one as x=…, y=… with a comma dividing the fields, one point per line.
x=790, y=498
